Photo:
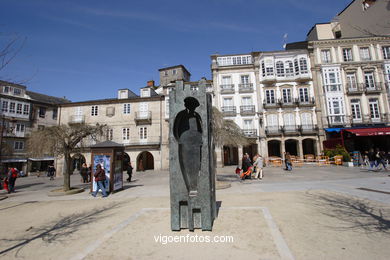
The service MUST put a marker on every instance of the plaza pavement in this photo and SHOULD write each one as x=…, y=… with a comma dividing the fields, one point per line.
x=309, y=213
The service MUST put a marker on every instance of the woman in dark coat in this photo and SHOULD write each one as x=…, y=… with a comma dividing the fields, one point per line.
x=129, y=171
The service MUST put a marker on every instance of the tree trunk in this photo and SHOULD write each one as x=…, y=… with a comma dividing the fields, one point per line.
x=67, y=170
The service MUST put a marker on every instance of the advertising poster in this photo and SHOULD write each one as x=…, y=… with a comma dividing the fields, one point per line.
x=118, y=174
x=104, y=161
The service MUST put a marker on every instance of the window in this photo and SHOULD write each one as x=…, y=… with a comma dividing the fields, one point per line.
x=303, y=95
x=386, y=52
x=194, y=87
x=387, y=73
x=109, y=134
x=336, y=106
x=166, y=73
x=126, y=134
x=289, y=121
x=303, y=65
x=246, y=103
x=296, y=66
x=19, y=145
x=19, y=109
x=20, y=128
x=289, y=69
x=364, y=53
x=174, y=72
x=356, y=110
x=245, y=80
x=286, y=92
x=6, y=89
x=55, y=113
x=306, y=121
x=248, y=124
x=269, y=68
x=42, y=112
x=325, y=56
x=126, y=108
x=226, y=82
x=26, y=109
x=270, y=96
x=17, y=92
x=12, y=107
x=280, y=69
x=228, y=104
x=145, y=92
x=94, y=110
x=369, y=80
x=143, y=133
x=166, y=107
x=4, y=106
x=332, y=79
x=374, y=109
x=351, y=81
x=272, y=122
x=347, y=54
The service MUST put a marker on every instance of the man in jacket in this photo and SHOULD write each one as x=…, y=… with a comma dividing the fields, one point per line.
x=12, y=175
x=100, y=178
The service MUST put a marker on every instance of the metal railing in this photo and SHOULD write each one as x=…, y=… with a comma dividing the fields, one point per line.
x=250, y=132
x=245, y=88
x=229, y=110
x=247, y=110
x=227, y=89
x=143, y=115
x=373, y=87
x=274, y=104
x=273, y=130
x=356, y=88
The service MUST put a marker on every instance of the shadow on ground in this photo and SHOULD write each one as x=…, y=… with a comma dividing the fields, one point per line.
x=355, y=214
x=58, y=230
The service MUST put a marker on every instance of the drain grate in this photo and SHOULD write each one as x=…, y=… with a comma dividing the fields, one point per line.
x=379, y=191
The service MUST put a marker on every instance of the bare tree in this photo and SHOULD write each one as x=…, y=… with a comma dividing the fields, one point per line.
x=62, y=141
x=9, y=49
x=226, y=132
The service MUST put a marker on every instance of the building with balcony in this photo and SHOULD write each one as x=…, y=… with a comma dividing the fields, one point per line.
x=350, y=59
x=270, y=96
x=23, y=111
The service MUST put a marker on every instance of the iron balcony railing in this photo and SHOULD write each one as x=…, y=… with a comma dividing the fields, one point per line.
x=337, y=120
x=227, y=89
x=354, y=88
x=373, y=87
x=273, y=103
x=273, y=130
x=245, y=88
x=306, y=102
x=228, y=110
x=250, y=132
x=247, y=110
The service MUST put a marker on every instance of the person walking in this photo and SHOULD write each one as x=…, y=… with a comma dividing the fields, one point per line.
x=84, y=172
x=12, y=175
x=51, y=171
x=129, y=171
x=371, y=158
x=287, y=161
x=100, y=178
x=259, y=162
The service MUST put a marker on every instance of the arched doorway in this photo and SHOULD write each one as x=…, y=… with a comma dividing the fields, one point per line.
x=125, y=161
x=77, y=161
x=308, y=146
x=230, y=155
x=145, y=161
x=274, y=148
x=291, y=146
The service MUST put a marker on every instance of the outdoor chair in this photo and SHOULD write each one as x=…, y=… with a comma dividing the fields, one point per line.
x=309, y=158
x=323, y=160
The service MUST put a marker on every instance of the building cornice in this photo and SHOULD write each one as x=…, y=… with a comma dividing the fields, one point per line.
x=349, y=41
x=113, y=101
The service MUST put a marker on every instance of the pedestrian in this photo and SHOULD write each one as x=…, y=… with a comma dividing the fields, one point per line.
x=12, y=175
x=382, y=159
x=100, y=178
x=371, y=158
x=246, y=164
x=51, y=171
x=287, y=161
x=84, y=172
x=129, y=171
x=259, y=166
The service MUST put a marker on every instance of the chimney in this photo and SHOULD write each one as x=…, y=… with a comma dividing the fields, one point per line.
x=150, y=83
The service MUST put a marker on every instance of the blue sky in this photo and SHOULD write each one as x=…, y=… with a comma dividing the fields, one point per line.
x=88, y=49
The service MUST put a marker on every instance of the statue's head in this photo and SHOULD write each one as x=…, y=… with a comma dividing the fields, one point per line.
x=191, y=103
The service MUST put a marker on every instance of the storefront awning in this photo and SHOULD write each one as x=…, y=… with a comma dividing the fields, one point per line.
x=370, y=131
x=41, y=159
x=13, y=160
x=337, y=130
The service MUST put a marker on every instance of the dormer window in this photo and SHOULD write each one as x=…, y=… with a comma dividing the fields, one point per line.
x=145, y=92
x=17, y=92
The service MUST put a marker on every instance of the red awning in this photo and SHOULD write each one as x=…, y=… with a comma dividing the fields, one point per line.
x=370, y=131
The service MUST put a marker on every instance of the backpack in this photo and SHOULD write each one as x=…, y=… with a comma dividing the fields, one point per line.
x=14, y=173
